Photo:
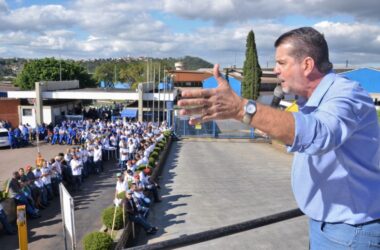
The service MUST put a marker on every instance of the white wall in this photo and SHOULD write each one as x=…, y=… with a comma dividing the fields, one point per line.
x=28, y=119
x=47, y=115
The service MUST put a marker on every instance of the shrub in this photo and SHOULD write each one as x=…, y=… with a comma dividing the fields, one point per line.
x=121, y=195
x=167, y=133
x=107, y=217
x=152, y=161
x=97, y=241
x=154, y=154
x=157, y=149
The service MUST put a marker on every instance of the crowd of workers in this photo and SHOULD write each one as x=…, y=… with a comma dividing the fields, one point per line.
x=133, y=142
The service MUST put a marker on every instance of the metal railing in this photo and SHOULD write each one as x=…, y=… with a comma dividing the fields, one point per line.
x=221, y=231
x=215, y=129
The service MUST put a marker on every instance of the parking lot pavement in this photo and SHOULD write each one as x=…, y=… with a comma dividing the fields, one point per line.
x=46, y=232
x=211, y=184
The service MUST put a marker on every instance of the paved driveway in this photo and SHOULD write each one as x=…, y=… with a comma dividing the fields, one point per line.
x=210, y=184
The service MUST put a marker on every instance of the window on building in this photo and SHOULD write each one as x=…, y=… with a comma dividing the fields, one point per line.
x=27, y=112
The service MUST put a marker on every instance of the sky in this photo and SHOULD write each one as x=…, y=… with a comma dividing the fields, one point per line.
x=214, y=30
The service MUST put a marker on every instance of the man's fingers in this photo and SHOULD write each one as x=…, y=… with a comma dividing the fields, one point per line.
x=201, y=119
x=196, y=93
x=193, y=103
x=217, y=72
x=220, y=80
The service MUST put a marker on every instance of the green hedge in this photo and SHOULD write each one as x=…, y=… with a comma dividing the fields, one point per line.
x=121, y=195
x=98, y=241
x=157, y=148
x=107, y=217
x=167, y=133
x=154, y=155
x=152, y=161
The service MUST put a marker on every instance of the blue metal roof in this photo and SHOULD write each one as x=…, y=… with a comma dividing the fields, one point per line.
x=165, y=86
x=368, y=78
x=129, y=112
x=235, y=84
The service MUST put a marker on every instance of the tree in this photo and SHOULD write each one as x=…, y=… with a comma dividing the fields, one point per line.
x=251, y=70
x=50, y=69
x=105, y=72
x=133, y=73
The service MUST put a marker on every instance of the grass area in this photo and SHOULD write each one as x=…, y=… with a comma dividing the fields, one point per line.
x=378, y=114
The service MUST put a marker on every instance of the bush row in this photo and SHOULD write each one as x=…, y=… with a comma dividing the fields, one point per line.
x=103, y=241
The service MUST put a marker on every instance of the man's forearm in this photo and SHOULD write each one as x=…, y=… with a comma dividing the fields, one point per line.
x=276, y=123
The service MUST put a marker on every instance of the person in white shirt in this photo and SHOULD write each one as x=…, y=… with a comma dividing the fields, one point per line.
x=131, y=149
x=138, y=191
x=123, y=155
x=149, y=184
x=56, y=174
x=46, y=179
x=121, y=186
x=40, y=185
x=84, y=154
x=98, y=159
x=90, y=159
x=76, y=169
x=128, y=176
x=131, y=166
x=68, y=156
x=141, y=160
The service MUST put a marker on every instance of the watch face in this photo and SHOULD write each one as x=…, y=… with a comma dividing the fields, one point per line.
x=251, y=108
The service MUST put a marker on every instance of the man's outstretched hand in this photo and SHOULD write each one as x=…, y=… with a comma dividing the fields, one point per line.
x=220, y=103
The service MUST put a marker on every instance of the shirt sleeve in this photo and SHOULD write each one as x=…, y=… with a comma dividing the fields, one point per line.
x=329, y=125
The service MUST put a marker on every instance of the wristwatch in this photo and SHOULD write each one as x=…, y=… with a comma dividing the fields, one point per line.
x=249, y=111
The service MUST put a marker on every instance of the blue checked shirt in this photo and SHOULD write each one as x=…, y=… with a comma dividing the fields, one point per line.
x=336, y=166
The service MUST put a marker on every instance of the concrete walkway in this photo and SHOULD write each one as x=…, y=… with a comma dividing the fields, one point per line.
x=46, y=232
x=210, y=184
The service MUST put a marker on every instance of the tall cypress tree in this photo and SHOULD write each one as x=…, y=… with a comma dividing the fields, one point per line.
x=251, y=70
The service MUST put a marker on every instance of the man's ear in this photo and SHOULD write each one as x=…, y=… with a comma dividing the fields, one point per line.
x=308, y=65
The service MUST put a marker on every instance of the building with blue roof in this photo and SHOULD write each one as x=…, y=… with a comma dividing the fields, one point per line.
x=235, y=84
x=368, y=78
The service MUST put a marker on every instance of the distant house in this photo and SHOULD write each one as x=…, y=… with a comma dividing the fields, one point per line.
x=369, y=79
x=188, y=78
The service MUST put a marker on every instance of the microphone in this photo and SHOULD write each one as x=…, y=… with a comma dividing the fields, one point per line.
x=278, y=94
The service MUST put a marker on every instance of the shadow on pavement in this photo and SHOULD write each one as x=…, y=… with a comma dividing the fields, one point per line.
x=160, y=212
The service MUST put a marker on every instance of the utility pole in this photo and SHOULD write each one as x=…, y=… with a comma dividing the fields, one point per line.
x=60, y=69
x=114, y=72
x=147, y=79
x=159, y=92
x=154, y=83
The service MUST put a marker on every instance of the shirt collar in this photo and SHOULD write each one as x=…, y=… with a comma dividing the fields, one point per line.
x=319, y=91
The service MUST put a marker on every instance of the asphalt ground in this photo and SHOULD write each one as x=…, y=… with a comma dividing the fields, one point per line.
x=47, y=232
x=208, y=184
x=205, y=184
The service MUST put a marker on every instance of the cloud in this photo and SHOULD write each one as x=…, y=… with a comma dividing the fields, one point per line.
x=357, y=42
x=38, y=18
x=103, y=28
x=3, y=6
x=225, y=11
